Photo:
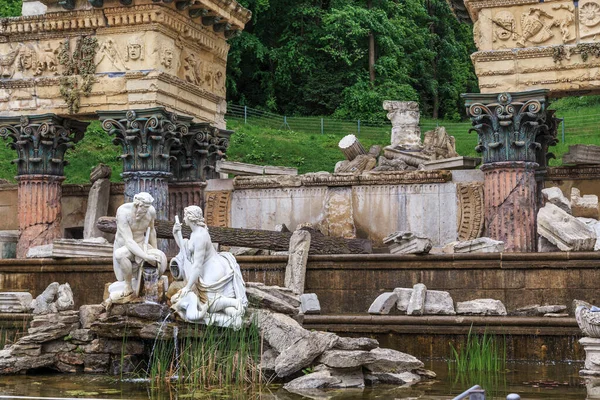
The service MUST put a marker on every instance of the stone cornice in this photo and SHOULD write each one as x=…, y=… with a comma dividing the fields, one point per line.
x=332, y=180
x=576, y=172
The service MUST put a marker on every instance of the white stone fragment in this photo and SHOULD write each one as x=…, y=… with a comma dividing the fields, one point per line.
x=309, y=304
x=404, y=242
x=416, y=304
x=383, y=303
x=481, y=307
x=584, y=206
x=555, y=196
x=479, y=245
x=564, y=230
x=15, y=302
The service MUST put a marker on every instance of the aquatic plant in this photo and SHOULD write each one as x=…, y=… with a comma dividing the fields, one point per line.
x=11, y=335
x=480, y=353
x=206, y=357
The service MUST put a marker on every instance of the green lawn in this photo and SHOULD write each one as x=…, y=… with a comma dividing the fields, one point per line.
x=300, y=144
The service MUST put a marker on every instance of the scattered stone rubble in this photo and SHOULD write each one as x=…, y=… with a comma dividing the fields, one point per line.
x=564, y=230
x=91, y=340
x=407, y=243
x=479, y=245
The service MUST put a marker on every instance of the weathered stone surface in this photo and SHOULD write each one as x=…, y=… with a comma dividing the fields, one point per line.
x=388, y=378
x=438, y=145
x=108, y=346
x=564, y=230
x=592, y=354
x=97, y=207
x=26, y=350
x=44, y=334
x=538, y=311
x=452, y=163
x=404, y=295
x=262, y=299
x=63, y=317
x=416, y=304
x=82, y=335
x=481, y=307
x=347, y=343
x=327, y=378
x=582, y=154
x=123, y=365
x=302, y=353
x=404, y=116
x=98, y=363
x=544, y=246
x=238, y=168
x=346, y=358
x=55, y=298
x=267, y=361
x=41, y=251
x=309, y=304
x=438, y=302
x=555, y=196
x=479, y=245
x=383, y=303
x=279, y=331
x=338, y=213
x=15, y=302
x=92, y=247
x=100, y=171
x=584, y=206
x=404, y=242
x=389, y=360
x=8, y=243
x=295, y=271
x=89, y=314
x=58, y=346
x=148, y=311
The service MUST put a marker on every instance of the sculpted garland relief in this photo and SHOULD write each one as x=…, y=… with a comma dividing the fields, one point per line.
x=589, y=20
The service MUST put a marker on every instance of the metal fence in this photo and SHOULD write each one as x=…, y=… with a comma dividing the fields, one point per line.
x=572, y=129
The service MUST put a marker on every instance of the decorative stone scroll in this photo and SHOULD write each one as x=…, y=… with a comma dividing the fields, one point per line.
x=512, y=126
x=41, y=141
x=217, y=208
x=470, y=210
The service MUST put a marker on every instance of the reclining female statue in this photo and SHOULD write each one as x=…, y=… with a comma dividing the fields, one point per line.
x=204, y=270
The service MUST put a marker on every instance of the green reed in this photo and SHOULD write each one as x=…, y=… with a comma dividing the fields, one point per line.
x=480, y=353
x=207, y=357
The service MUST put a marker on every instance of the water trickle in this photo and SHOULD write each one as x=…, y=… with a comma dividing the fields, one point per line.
x=176, y=347
x=156, y=339
x=150, y=275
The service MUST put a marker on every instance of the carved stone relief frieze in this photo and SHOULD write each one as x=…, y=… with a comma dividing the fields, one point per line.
x=589, y=20
x=505, y=29
x=29, y=60
x=135, y=50
x=166, y=56
x=191, y=68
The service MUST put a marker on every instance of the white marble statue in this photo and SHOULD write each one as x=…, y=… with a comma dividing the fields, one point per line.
x=202, y=269
x=135, y=244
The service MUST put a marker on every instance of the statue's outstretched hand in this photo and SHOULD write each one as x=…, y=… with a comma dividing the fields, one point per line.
x=176, y=228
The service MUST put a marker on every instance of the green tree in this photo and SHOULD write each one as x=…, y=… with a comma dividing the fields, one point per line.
x=10, y=8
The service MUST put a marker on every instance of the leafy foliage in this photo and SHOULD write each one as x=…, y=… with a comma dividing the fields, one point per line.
x=10, y=8
x=311, y=57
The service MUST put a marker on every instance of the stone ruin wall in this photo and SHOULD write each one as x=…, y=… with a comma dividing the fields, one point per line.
x=114, y=57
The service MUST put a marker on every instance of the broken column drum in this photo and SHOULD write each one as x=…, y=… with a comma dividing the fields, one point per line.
x=515, y=131
x=146, y=137
x=41, y=142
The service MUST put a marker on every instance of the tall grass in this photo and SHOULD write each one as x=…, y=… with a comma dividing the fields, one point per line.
x=480, y=353
x=12, y=333
x=207, y=357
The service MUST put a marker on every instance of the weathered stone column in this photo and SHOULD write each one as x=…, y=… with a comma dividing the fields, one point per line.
x=41, y=142
x=515, y=131
x=146, y=137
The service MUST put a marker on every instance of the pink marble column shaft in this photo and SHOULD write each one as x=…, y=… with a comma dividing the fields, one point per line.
x=39, y=210
x=510, y=204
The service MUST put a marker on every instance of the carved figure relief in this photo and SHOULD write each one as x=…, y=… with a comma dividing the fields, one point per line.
x=7, y=63
x=564, y=23
x=504, y=26
x=191, y=68
x=208, y=80
x=166, y=57
x=108, y=50
x=135, y=50
x=46, y=61
x=34, y=61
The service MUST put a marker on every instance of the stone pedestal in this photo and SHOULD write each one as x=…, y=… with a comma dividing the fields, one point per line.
x=592, y=356
x=510, y=204
x=39, y=210
x=8, y=244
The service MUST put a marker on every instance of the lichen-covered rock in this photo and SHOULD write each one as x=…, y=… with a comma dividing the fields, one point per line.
x=393, y=361
x=302, y=353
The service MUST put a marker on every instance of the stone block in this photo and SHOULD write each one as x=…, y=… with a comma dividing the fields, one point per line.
x=383, y=303
x=479, y=245
x=265, y=300
x=346, y=358
x=309, y=304
x=564, y=230
x=453, y=163
x=43, y=251
x=592, y=354
x=555, y=196
x=97, y=206
x=438, y=302
x=8, y=244
x=92, y=247
x=579, y=154
x=544, y=246
x=416, y=304
x=15, y=302
x=481, y=307
x=584, y=206
x=404, y=242
x=295, y=271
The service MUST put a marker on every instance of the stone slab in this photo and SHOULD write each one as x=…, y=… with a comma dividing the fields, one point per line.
x=582, y=154
x=15, y=302
x=453, y=163
x=309, y=304
x=68, y=248
x=564, y=230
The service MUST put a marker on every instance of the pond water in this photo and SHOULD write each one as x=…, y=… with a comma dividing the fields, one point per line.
x=531, y=381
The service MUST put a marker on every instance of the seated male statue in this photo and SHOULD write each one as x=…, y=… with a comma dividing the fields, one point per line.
x=135, y=244
x=204, y=271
